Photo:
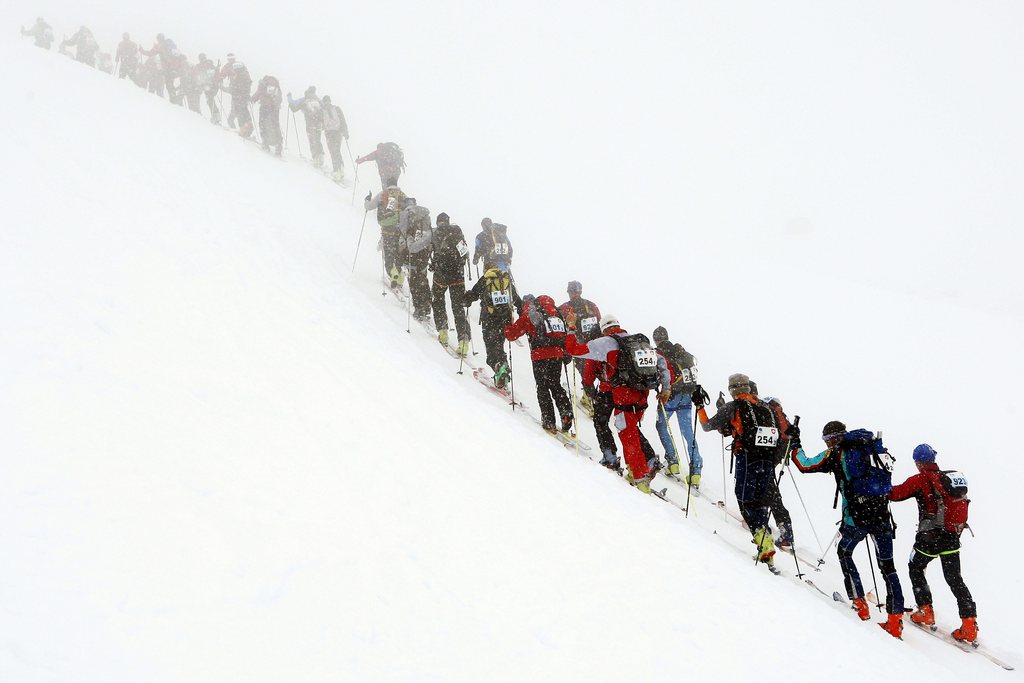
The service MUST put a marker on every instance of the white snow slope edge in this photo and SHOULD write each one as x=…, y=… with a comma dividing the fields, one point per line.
x=224, y=459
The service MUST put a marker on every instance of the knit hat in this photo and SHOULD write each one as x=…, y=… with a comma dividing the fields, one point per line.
x=442, y=218
x=660, y=334
x=833, y=429
x=739, y=384
x=609, y=320
x=753, y=388
x=574, y=287
x=485, y=223
x=924, y=453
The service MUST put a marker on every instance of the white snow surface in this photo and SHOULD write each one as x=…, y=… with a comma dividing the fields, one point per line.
x=225, y=459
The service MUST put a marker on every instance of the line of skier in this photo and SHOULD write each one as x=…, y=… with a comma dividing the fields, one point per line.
x=618, y=370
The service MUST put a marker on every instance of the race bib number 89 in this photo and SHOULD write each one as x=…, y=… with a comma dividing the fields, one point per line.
x=588, y=324
x=500, y=298
x=767, y=436
x=645, y=358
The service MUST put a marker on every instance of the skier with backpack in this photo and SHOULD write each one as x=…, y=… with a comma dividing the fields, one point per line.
x=492, y=245
x=942, y=517
x=162, y=48
x=583, y=317
x=205, y=78
x=127, y=57
x=634, y=369
x=390, y=161
x=684, y=382
x=417, y=237
x=862, y=469
x=545, y=328
x=85, y=46
x=41, y=33
x=755, y=436
x=497, y=295
x=788, y=430
x=268, y=95
x=389, y=203
x=448, y=264
x=335, y=130
x=313, y=111
x=239, y=85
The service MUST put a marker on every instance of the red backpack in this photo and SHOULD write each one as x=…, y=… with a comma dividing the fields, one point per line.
x=952, y=499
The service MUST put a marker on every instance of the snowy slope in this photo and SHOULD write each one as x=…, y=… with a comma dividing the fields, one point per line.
x=226, y=460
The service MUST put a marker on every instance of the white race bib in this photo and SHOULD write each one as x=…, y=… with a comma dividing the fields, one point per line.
x=500, y=298
x=392, y=204
x=588, y=324
x=555, y=324
x=462, y=248
x=689, y=375
x=500, y=249
x=957, y=479
x=767, y=436
x=646, y=358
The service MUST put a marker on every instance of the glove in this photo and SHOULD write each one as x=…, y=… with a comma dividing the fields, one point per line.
x=794, y=444
x=720, y=403
x=793, y=433
x=664, y=395
x=699, y=397
x=570, y=319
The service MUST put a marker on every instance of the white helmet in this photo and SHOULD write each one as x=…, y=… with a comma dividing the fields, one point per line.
x=608, y=320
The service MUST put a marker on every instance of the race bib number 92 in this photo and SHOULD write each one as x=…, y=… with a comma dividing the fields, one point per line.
x=588, y=324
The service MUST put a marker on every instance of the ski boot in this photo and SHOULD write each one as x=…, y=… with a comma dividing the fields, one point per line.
x=337, y=176
x=548, y=427
x=925, y=616
x=673, y=469
x=610, y=460
x=396, y=277
x=893, y=625
x=442, y=337
x=765, y=545
x=463, y=349
x=785, y=539
x=643, y=484
x=586, y=404
x=655, y=466
x=862, y=608
x=566, y=423
x=693, y=480
x=968, y=631
x=501, y=375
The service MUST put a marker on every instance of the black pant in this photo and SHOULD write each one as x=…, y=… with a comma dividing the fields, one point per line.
x=493, y=330
x=458, y=293
x=192, y=98
x=334, y=147
x=547, y=373
x=945, y=545
x=389, y=242
x=211, y=102
x=778, y=508
x=240, y=111
x=603, y=406
x=270, y=127
x=419, y=287
x=316, y=147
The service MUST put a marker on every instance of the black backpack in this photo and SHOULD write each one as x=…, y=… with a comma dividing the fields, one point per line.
x=759, y=438
x=637, y=365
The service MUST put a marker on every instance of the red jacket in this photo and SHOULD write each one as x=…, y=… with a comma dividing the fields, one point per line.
x=923, y=487
x=542, y=344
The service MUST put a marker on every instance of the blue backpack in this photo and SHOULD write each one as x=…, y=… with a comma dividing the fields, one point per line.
x=868, y=464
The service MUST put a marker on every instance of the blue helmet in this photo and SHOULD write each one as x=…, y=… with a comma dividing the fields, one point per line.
x=924, y=453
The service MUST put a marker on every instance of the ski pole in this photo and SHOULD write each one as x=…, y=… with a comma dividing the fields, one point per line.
x=511, y=378
x=821, y=560
x=288, y=132
x=383, y=275
x=672, y=440
x=573, y=399
x=355, y=182
x=360, y=240
x=689, y=465
x=298, y=140
x=255, y=129
x=870, y=539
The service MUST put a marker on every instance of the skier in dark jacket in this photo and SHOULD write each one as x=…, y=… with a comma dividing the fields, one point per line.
x=239, y=85
x=389, y=204
x=492, y=244
x=127, y=57
x=268, y=95
x=41, y=33
x=335, y=130
x=448, y=264
x=863, y=516
x=755, y=434
x=938, y=536
x=545, y=328
x=163, y=48
x=85, y=46
x=205, y=77
x=417, y=238
x=783, y=519
x=497, y=295
x=312, y=110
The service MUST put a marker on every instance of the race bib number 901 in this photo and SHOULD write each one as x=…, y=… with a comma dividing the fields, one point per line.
x=555, y=325
x=645, y=358
x=500, y=298
x=767, y=436
x=588, y=324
